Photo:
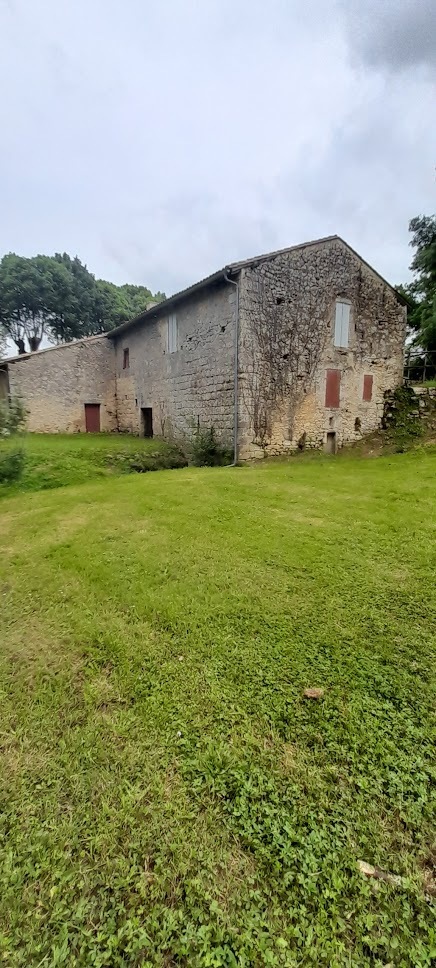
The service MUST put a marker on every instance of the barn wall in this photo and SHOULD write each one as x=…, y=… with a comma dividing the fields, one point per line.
x=193, y=384
x=55, y=384
x=287, y=326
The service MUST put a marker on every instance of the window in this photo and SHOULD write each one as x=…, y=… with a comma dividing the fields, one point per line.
x=332, y=388
x=367, y=388
x=173, y=337
x=342, y=324
x=126, y=362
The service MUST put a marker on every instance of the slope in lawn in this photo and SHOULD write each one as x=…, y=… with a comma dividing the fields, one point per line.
x=55, y=460
x=170, y=797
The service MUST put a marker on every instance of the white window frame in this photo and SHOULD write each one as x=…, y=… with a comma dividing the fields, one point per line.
x=173, y=334
x=341, y=337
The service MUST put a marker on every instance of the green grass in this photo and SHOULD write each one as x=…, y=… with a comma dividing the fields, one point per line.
x=54, y=461
x=169, y=796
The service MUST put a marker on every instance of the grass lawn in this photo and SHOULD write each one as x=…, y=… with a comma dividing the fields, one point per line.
x=53, y=461
x=169, y=797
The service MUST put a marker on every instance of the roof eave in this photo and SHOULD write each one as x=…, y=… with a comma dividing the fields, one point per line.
x=171, y=301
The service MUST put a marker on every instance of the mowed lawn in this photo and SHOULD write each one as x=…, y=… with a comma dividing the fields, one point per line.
x=169, y=796
x=54, y=461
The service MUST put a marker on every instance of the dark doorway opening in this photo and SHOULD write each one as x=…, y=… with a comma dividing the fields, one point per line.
x=330, y=444
x=92, y=418
x=147, y=421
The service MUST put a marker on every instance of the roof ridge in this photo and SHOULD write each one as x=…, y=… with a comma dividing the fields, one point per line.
x=236, y=267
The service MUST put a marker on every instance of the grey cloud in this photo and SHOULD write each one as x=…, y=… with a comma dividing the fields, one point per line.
x=392, y=34
x=161, y=140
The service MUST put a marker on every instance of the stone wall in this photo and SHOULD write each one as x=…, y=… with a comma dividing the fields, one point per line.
x=55, y=384
x=287, y=321
x=194, y=383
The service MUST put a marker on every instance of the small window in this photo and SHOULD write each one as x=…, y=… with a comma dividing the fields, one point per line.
x=173, y=339
x=367, y=388
x=342, y=324
x=126, y=362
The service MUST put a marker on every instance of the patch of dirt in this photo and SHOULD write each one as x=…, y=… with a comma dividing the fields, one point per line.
x=429, y=874
x=28, y=655
x=313, y=693
x=289, y=758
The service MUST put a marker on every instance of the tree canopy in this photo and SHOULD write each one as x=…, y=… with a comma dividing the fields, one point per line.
x=57, y=297
x=422, y=290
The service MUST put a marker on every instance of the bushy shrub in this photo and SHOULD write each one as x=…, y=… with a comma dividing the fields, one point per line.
x=207, y=450
x=11, y=466
x=12, y=417
x=141, y=463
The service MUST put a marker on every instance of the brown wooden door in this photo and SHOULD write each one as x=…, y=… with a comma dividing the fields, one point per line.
x=92, y=418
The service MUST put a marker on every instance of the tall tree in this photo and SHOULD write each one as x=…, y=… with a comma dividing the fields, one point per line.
x=422, y=290
x=137, y=298
x=75, y=310
x=111, y=307
x=57, y=297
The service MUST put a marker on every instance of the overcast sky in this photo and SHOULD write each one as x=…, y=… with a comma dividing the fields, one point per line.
x=160, y=139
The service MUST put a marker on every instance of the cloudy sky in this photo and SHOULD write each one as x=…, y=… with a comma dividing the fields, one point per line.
x=161, y=139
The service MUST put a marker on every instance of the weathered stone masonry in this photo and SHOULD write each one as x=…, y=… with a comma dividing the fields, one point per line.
x=55, y=384
x=193, y=384
x=298, y=386
x=287, y=321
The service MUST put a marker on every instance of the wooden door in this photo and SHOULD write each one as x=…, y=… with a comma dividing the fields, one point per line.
x=92, y=418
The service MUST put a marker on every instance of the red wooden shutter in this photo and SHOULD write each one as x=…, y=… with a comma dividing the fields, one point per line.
x=367, y=388
x=332, y=388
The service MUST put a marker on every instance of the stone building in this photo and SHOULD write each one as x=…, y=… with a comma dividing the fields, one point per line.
x=291, y=349
x=65, y=388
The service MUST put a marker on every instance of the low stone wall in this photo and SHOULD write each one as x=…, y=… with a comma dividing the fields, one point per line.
x=409, y=406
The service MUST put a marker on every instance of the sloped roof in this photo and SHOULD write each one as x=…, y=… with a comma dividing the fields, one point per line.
x=50, y=349
x=231, y=269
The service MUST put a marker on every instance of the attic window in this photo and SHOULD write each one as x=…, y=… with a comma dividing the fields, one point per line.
x=126, y=362
x=173, y=335
x=342, y=324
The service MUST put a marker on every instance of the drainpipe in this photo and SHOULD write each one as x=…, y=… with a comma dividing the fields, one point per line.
x=235, y=371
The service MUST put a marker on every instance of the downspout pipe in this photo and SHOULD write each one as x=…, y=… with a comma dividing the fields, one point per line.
x=234, y=283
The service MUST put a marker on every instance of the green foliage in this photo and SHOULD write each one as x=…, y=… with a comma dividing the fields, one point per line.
x=168, y=796
x=12, y=417
x=137, y=297
x=169, y=459
x=11, y=465
x=401, y=419
x=422, y=291
x=206, y=450
x=58, y=297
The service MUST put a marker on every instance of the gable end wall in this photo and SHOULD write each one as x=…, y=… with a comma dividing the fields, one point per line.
x=287, y=322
